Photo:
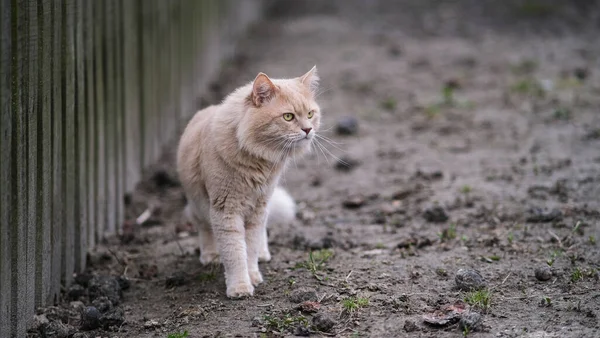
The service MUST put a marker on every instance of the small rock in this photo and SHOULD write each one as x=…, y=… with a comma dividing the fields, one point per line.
x=39, y=321
x=354, y=202
x=303, y=294
x=323, y=323
x=80, y=335
x=56, y=329
x=469, y=321
x=83, y=279
x=151, y=324
x=75, y=292
x=115, y=317
x=347, y=125
x=538, y=215
x=581, y=73
x=107, y=286
x=103, y=304
x=435, y=214
x=429, y=175
x=469, y=279
x=301, y=331
x=346, y=164
x=90, y=318
x=148, y=271
x=410, y=326
x=309, y=306
x=543, y=273
x=177, y=279
x=326, y=242
x=124, y=282
x=77, y=305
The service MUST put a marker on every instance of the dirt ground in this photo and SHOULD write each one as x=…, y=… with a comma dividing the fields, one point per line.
x=472, y=133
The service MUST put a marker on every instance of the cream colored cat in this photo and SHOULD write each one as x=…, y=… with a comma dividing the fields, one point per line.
x=229, y=160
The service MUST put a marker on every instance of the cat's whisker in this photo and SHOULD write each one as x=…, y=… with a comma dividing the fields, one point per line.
x=332, y=155
x=331, y=143
x=321, y=149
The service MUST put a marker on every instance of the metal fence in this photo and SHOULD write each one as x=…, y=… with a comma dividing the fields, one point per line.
x=89, y=92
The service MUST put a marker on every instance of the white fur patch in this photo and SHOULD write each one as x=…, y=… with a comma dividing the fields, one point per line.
x=281, y=207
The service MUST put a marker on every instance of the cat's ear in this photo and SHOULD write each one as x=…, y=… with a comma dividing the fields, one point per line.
x=311, y=80
x=262, y=89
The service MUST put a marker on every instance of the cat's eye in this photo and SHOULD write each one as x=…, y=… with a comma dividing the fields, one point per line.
x=310, y=114
x=288, y=116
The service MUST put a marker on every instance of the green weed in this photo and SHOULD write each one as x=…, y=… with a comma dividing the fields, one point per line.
x=448, y=234
x=184, y=334
x=284, y=322
x=316, y=262
x=481, y=299
x=528, y=87
x=352, y=304
x=389, y=104
x=576, y=275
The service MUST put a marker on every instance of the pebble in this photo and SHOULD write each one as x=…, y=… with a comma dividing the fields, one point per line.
x=469, y=279
x=303, y=294
x=469, y=321
x=543, y=273
x=435, y=214
x=323, y=322
x=107, y=286
x=538, y=215
x=410, y=326
x=75, y=291
x=347, y=125
x=103, y=304
x=90, y=318
x=354, y=202
x=113, y=318
x=177, y=279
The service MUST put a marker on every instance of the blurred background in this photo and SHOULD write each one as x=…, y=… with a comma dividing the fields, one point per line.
x=461, y=143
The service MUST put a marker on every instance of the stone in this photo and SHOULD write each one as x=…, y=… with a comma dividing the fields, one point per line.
x=543, y=273
x=303, y=294
x=469, y=279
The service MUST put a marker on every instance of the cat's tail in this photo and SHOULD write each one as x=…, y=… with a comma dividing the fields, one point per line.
x=281, y=207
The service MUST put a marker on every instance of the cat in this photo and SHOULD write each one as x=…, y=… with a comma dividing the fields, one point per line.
x=229, y=160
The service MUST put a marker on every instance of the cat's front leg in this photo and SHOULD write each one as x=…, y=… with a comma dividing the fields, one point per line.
x=255, y=228
x=264, y=255
x=230, y=234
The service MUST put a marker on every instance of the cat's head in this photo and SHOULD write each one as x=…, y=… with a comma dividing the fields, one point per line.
x=282, y=116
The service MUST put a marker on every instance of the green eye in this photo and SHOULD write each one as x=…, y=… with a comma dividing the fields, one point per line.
x=310, y=114
x=288, y=116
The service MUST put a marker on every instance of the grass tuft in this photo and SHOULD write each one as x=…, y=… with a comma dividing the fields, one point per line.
x=481, y=299
x=184, y=334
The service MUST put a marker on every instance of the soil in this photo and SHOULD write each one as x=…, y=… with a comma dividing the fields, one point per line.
x=472, y=133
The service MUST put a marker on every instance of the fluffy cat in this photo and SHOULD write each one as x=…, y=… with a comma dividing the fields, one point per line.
x=229, y=160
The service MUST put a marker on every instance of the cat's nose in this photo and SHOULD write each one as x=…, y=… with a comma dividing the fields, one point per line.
x=307, y=130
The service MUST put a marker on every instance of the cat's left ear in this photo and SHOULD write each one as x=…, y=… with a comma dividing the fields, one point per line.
x=311, y=80
x=263, y=89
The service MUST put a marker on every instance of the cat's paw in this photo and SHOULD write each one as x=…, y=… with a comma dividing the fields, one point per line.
x=255, y=277
x=264, y=256
x=240, y=290
x=209, y=257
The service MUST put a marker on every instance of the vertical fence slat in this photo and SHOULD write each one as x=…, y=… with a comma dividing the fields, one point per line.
x=81, y=235
x=19, y=220
x=90, y=106
x=33, y=163
x=58, y=214
x=44, y=233
x=69, y=142
x=120, y=113
x=5, y=166
x=110, y=113
x=100, y=126
x=132, y=91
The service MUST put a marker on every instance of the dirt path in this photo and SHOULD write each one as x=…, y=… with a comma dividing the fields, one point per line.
x=478, y=147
